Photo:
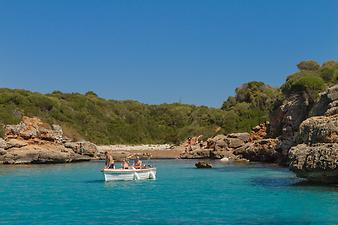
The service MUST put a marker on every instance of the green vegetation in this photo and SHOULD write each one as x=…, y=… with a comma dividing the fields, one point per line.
x=312, y=78
x=106, y=121
x=109, y=122
x=251, y=105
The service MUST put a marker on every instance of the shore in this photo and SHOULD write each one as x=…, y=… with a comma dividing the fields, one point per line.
x=157, y=151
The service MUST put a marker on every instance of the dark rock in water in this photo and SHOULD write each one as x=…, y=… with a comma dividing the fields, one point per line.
x=318, y=162
x=203, y=164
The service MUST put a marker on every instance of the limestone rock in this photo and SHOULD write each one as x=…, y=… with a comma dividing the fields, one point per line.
x=82, y=148
x=15, y=143
x=32, y=141
x=292, y=112
x=47, y=153
x=3, y=143
x=327, y=100
x=319, y=129
x=260, y=151
x=203, y=164
x=242, y=136
x=318, y=162
x=34, y=128
x=234, y=142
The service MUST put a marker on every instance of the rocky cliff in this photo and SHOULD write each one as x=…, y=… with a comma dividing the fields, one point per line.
x=302, y=134
x=33, y=141
x=240, y=147
x=316, y=157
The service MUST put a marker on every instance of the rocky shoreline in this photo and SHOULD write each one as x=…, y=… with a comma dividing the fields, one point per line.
x=35, y=142
x=300, y=134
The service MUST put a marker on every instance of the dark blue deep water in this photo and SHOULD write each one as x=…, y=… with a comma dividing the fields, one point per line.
x=234, y=194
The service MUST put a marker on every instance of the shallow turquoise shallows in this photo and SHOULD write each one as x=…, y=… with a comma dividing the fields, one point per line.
x=235, y=194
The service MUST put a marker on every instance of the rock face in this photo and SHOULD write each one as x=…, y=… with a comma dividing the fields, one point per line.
x=315, y=156
x=260, y=151
x=289, y=115
x=32, y=141
x=318, y=162
x=236, y=147
x=319, y=129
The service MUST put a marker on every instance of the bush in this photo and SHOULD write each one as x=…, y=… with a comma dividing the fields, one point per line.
x=308, y=65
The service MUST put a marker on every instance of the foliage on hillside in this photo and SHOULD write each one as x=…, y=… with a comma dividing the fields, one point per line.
x=311, y=78
x=107, y=121
x=251, y=104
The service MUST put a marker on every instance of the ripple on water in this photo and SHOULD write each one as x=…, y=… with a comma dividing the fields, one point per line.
x=232, y=194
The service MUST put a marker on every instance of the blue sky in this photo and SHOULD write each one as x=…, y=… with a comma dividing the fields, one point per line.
x=157, y=51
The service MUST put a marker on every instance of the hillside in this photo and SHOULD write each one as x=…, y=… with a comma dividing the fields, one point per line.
x=129, y=122
x=107, y=121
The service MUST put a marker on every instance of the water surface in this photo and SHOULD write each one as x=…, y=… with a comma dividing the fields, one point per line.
x=235, y=194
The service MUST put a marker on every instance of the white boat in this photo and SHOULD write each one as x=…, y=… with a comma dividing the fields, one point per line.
x=129, y=174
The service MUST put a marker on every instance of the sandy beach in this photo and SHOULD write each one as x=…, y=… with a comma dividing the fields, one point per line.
x=157, y=151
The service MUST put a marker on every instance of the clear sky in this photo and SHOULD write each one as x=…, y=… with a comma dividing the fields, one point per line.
x=157, y=51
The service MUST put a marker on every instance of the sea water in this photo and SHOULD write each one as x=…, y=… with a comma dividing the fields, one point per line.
x=232, y=194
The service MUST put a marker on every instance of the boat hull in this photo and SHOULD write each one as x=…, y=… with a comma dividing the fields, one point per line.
x=119, y=174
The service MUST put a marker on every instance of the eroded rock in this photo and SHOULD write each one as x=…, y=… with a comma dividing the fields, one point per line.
x=318, y=162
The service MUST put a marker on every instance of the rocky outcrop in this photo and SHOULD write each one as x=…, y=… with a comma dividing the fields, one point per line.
x=203, y=165
x=33, y=129
x=236, y=147
x=263, y=150
x=319, y=129
x=327, y=104
x=316, y=156
x=318, y=162
x=33, y=141
x=289, y=115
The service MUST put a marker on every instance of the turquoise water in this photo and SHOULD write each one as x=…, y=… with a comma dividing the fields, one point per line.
x=77, y=194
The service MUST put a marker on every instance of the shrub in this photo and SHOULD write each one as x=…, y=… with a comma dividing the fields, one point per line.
x=308, y=65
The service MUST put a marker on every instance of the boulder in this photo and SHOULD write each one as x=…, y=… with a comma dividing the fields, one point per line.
x=196, y=154
x=242, y=136
x=264, y=150
x=82, y=148
x=292, y=112
x=15, y=143
x=319, y=129
x=3, y=143
x=203, y=164
x=318, y=162
x=327, y=100
x=36, y=154
x=234, y=142
x=3, y=151
x=220, y=153
x=34, y=128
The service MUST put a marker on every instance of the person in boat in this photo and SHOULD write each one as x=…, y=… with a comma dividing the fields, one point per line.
x=125, y=164
x=109, y=164
x=137, y=163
